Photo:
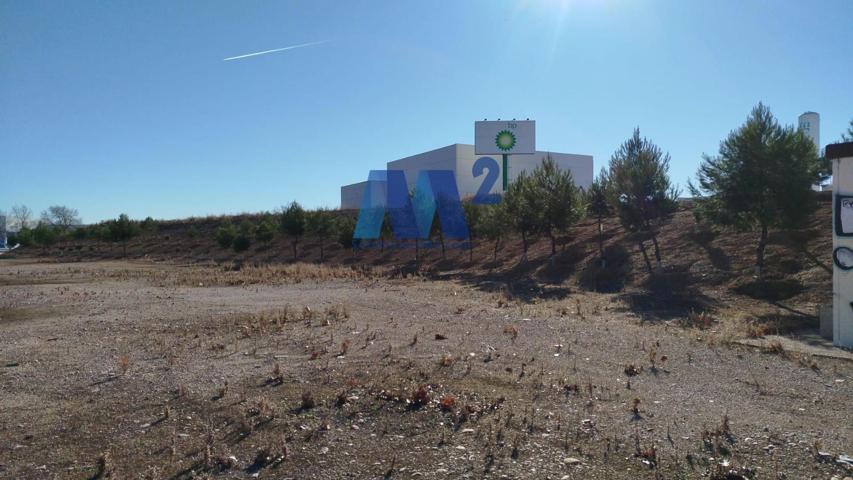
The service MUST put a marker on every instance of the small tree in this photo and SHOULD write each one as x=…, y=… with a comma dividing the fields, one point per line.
x=243, y=240
x=562, y=201
x=473, y=217
x=265, y=231
x=122, y=230
x=596, y=200
x=760, y=179
x=321, y=224
x=640, y=192
x=493, y=225
x=45, y=234
x=225, y=235
x=60, y=216
x=293, y=223
x=385, y=232
x=345, y=229
x=25, y=237
x=524, y=207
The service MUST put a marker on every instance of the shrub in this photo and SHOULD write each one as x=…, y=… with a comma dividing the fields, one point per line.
x=265, y=231
x=225, y=235
x=345, y=227
x=320, y=223
x=243, y=240
x=149, y=225
x=45, y=235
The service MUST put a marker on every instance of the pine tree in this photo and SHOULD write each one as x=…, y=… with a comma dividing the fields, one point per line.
x=761, y=179
x=524, y=207
x=597, y=206
x=562, y=201
x=321, y=224
x=293, y=223
x=640, y=191
x=473, y=217
x=493, y=225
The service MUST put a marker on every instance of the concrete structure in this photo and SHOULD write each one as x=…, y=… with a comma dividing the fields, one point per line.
x=809, y=123
x=351, y=195
x=841, y=156
x=460, y=159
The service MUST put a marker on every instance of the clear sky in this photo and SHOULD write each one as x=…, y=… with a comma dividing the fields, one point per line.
x=128, y=106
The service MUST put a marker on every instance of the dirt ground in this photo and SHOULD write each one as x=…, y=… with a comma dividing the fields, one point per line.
x=118, y=369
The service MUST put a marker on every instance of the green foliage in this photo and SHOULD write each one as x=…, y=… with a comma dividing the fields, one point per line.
x=596, y=197
x=524, y=207
x=25, y=237
x=639, y=190
x=493, y=224
x=149, y=225
x=82, y=233
x=243, y=240
x=761, y=179
x=321, y=224
x=265, y=231
x=848, y=136
x=293, y=220
x=562, y=202
x=597, y=205
x=45, y=234
x=292, y=223
x=122, y=229
x=225, y=235
x=345, y=229
x=385, y=233
x=192, y=232
x=473, y=217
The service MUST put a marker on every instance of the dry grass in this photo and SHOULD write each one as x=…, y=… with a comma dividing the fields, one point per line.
x=123, y=364
x=738, y=326
x=210, y=276
x=774, y=347
x=701, y=320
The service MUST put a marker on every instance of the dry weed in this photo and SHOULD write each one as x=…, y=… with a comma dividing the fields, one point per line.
x=123, y=364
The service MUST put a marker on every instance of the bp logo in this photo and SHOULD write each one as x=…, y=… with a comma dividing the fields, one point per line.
x=505, y=140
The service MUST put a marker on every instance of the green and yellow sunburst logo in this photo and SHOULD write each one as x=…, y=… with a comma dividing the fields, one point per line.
x=505, y=140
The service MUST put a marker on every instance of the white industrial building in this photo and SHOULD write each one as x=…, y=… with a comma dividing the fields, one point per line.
x=460, y=159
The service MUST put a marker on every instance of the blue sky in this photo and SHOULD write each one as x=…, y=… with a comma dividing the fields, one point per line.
x=128, y=106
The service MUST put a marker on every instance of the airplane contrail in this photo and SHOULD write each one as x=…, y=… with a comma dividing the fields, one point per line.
x=274, y=50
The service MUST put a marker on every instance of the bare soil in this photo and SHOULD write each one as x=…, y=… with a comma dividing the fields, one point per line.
x=140, y=369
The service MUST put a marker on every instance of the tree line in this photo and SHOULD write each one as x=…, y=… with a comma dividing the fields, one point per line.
x=760, y=179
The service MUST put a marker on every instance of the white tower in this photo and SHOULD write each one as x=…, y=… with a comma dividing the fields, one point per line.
x=809, y=123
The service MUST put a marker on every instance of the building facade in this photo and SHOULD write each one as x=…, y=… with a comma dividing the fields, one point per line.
x=473, y=172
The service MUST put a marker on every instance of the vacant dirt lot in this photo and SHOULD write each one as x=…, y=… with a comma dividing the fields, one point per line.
x=143, y=370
